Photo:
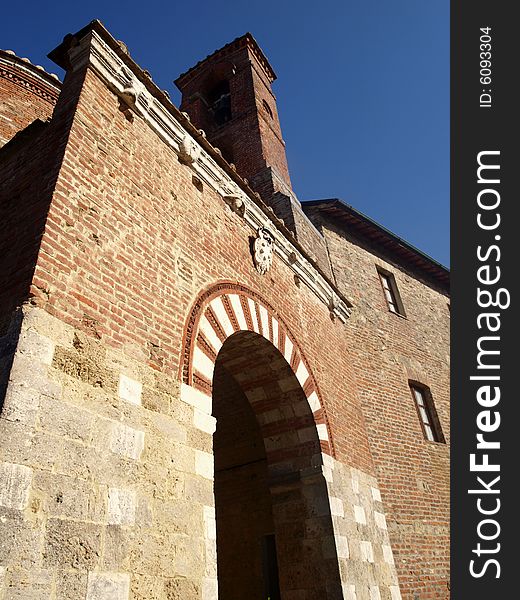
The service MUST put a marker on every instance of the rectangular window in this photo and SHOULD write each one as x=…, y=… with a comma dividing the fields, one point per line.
x=427, y=414
x=393, y=299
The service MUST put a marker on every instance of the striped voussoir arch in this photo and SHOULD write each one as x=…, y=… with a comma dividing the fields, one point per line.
x=224, y=310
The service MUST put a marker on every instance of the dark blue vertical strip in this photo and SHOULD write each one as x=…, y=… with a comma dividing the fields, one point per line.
x=485, y=256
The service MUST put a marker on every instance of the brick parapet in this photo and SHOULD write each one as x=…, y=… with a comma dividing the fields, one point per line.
x=27, y=92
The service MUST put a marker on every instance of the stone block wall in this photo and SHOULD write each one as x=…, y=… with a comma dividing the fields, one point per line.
x=103, y=488
x=361, y=536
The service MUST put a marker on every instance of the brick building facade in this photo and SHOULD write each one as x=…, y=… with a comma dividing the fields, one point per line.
x=207, y=387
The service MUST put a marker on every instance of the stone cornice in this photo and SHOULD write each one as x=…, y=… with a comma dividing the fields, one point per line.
x=22, y=71
x=93, y=47
x=245, y=40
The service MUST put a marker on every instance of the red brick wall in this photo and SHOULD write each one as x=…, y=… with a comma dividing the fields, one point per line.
x=130, y=243
x=24, y=96
x=386, y=351
x=28, y=169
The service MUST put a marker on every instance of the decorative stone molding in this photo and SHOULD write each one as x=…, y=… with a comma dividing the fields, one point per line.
x=236, y=204
x=33, y=77
x=219, y=313
x=335, y=306
x=189, y=151
x=93, y=50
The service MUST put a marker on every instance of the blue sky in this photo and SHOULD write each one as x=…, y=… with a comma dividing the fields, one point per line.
x=362, y=89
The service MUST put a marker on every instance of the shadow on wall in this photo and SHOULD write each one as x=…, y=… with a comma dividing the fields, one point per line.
x=8, y=344
x=29, y=167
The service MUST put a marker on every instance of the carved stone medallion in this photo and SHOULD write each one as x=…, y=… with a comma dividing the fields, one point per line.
x=263, y=251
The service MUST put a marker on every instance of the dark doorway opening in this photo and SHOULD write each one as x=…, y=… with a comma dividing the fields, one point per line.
x=274, y=527
x=245, y=561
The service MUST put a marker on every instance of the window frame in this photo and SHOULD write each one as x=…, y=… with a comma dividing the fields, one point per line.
x=391, y=293
x=430, y=420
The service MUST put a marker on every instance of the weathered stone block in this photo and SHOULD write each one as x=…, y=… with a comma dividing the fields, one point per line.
x=156, y=401
x=153, y=554
x=210, y=569
x=87, y=368
x=380, y=520
x=204, y=422
x=374, y=592
x=376, y=494
x=74, y=457
x=121, y=506
x=129, y=389
x=204, y=464
x=36, y=346
x=108, y=586
x=117, y=546
x=342, y=546
x=367, y=552
x=20, y=540
x=33, y=374
x=34, y=584
x=15, y=484
x=72, y=544
x=17, y=440
x=359, y=514
x=147, y=587
x=336, y=507
x=200, y=440
x=71, y=585
x=349, y=591
x=179, y=515
x=210, y=522
x=63, y=419
x=21, y=404
x=188, y=553
x=178, y=588
x=209, y=588
x=48, y=326
x=126, y=441
x=388, y=554
x=195, y=398
x=70, y=497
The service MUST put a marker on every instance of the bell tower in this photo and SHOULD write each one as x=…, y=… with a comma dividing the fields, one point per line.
x=229, y=96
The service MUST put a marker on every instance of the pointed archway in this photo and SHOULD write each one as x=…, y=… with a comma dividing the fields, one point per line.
x=272, y=511
x=226, y=309
x=274, y=529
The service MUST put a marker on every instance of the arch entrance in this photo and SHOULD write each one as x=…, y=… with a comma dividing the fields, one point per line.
x=271, y=503
x=275, y=536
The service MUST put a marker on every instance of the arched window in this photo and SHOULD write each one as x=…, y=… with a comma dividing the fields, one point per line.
x=220, y=102
x=267, y=108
